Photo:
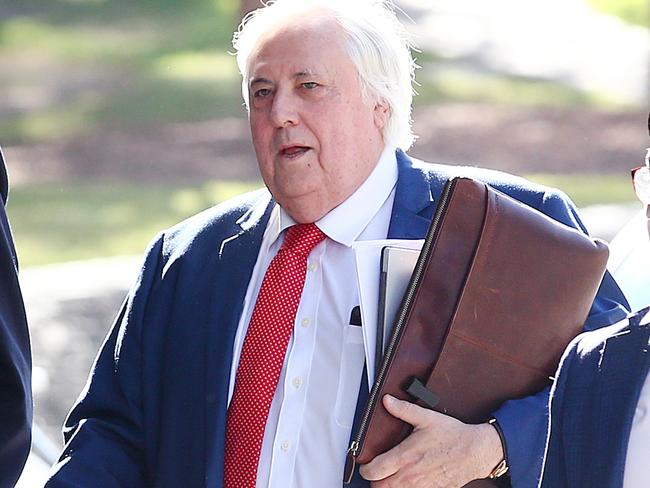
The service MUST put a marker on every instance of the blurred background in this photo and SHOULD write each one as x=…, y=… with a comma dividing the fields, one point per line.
x=120, y=118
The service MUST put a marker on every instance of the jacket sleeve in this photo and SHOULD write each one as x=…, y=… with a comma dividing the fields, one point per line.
x=104, y=431
x=524, y=422
x=15, y=359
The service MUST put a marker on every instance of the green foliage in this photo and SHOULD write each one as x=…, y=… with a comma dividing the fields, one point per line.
x=632, y=11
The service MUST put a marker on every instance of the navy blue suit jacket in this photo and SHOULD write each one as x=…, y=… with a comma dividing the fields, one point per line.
x=593, y=403
x=15, y=356
x=154, y=412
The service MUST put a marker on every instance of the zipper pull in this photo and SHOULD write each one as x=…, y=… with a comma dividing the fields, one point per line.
x=350, y=462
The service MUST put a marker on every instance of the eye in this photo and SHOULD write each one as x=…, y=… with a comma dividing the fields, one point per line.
x=310, y=85
x=262, y=93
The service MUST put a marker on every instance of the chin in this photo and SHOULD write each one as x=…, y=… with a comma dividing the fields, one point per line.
x=304, y=210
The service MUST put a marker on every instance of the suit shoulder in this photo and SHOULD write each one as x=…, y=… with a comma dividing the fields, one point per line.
x=497, y=179
x=203, y=231
x=516, y=186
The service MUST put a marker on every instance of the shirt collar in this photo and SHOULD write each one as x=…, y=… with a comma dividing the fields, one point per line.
x=344, y=223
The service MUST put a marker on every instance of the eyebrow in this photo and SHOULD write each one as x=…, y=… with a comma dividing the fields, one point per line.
x=303, y=74
x=258, y=80
x=266, y=81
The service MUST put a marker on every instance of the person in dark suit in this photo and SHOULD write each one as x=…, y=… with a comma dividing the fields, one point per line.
x=328, y=87
x=599, y=433
x=15, y=356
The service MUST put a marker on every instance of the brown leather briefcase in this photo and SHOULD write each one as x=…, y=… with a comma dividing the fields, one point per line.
x=498, y=292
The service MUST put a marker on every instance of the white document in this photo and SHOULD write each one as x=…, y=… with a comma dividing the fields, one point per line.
x=367, y=255
x=397, y=265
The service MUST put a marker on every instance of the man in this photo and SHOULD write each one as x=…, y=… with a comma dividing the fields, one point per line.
x=599, y=434
x=600, y=428
x=15, y=356
x=236, y=360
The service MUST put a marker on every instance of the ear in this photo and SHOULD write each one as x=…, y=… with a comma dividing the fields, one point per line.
x=381, y=114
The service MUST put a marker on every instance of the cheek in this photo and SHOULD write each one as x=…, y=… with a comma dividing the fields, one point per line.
x=256, y=129
x=261, y=137
x=258, y=123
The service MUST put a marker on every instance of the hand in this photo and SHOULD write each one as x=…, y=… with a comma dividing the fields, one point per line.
x=440, y=452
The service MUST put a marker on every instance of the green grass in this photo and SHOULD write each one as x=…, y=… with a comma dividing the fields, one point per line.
x=632, y=11
x=56, y=223
x=154, y=101
x=65, y=222
x=152, y=62
x=590, y=189
x=438, y=84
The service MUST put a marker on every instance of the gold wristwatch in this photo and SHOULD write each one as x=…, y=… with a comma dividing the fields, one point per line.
x=501, y=468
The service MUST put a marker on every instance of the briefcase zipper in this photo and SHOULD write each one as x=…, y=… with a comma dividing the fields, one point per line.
x=357, y=442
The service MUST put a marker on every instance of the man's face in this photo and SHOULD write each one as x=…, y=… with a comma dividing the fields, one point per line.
x=315, y=137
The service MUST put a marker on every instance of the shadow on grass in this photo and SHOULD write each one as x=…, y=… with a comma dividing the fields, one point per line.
x=155, y=100
x=132, y=103
x=127, y=50
x=118, y=30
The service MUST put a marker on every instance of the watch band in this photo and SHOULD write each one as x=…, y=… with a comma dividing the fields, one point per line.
x=502, y=467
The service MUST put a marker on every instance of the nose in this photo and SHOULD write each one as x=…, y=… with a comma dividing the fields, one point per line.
x=284, y=112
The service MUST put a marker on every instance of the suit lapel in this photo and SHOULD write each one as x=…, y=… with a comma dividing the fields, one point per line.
x=624, y=370
x=236, y=258
x=415, y=196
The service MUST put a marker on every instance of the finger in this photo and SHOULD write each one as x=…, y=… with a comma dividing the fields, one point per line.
x=384, y=465
x=407, y=411
x=385, y=483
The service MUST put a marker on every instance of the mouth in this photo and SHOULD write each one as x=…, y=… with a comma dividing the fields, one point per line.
x=293, y=151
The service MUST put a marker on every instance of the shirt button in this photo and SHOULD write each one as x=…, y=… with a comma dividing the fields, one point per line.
x=305, y=322
x=296, y=382
x=312, y=266
x=285, y=446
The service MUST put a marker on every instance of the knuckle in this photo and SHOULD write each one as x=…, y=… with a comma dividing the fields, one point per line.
x=402, y=454
x=368, y=472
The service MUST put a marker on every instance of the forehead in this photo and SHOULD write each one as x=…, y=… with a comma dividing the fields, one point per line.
x=314, y=44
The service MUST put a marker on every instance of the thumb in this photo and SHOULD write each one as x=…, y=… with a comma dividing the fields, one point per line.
x=406, y=411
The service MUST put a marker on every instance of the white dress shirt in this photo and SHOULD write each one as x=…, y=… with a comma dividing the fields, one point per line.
x=310, y=420
x=637, y=474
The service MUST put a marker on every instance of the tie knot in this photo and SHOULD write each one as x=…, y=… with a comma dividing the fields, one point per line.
x=302, y=238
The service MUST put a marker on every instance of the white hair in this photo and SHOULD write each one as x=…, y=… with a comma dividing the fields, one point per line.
x=377, y=44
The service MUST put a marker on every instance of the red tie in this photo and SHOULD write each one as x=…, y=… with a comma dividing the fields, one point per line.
x=263, y=354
